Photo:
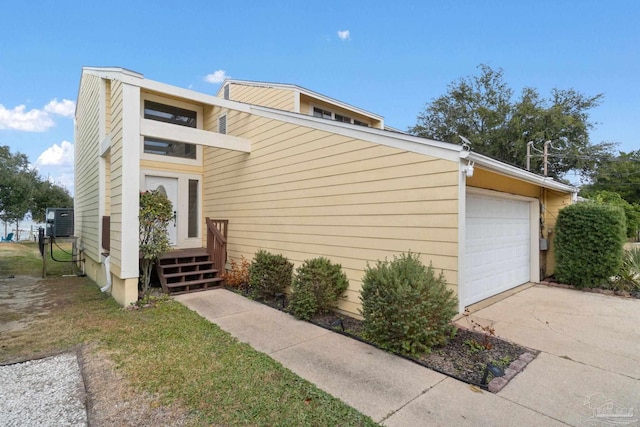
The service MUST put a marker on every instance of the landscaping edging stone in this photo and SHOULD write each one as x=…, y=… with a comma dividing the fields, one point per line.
x=498, y=383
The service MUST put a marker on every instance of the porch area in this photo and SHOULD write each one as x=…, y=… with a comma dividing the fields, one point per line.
x=196, y=269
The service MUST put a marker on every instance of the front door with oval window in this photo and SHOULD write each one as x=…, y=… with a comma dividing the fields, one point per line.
x=169, y=187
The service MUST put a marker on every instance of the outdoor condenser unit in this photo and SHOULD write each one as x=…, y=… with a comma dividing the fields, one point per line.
x=59, y=222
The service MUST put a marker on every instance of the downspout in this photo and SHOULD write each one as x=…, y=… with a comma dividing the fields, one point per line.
x=106, y=258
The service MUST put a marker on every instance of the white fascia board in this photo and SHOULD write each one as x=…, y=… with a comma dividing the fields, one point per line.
x=307, y=92
x=156, y=129
x=410, y=143
x=193, y=96
x=514, y=172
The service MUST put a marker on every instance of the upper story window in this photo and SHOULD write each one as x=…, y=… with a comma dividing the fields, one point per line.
x=319, y=112
x=170, y=114
x=325, y=114
x=163, y=147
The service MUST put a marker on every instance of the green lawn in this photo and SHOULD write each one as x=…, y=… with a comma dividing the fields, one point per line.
x=174, y=352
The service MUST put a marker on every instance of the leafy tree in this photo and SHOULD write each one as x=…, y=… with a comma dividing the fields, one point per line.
x=23, y=191
x=631, y=211
x=620, y=174
x=156, y=212
x=48, y=195
x=481, y=108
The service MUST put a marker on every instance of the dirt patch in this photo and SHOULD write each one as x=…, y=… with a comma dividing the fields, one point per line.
x=111, y=401
x=22, y=301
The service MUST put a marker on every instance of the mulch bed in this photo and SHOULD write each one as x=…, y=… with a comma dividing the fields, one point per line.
x=463, y=357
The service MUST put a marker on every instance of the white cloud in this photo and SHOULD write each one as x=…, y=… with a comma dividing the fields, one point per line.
x=64, y=108
x=30, y=121
x=56, y=155
x=344, y=35
x=216, y=77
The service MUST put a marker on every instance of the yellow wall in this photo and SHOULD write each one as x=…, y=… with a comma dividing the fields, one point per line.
x=307, y=193
x=281, y=99
x=552, y=201
x=116, y=175
x=87, y=165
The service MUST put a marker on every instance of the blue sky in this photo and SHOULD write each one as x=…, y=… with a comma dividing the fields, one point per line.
x=386, y=57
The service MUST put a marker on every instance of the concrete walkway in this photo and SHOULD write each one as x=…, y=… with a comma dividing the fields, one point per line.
x=553, y=390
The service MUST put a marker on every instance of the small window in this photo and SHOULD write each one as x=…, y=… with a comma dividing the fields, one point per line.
x=359, y=123
x=343, y=119
x=319, y=112
x=222, y=124
x=163, y=147
x=170, y=114
x=226, y=92
x=193, y=208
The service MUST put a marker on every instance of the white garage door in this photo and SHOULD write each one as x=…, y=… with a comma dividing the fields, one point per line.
x=497, y=246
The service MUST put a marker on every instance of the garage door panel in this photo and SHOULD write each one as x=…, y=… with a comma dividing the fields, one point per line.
x=497, y=245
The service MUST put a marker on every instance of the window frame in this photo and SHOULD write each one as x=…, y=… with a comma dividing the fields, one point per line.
x=198, y=161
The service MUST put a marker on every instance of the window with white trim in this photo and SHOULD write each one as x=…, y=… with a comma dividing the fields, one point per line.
x=170, y=114
x=164, y=147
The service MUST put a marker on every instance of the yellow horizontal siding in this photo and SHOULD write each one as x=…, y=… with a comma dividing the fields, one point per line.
x=116, y=175
x=281, y=99
x=307, y=193
x=87, y=166
x=170, y=167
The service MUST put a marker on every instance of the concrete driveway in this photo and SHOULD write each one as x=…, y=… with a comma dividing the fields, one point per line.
x=590, y=353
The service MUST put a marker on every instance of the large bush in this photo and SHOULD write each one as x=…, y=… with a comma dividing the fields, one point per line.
x=154, y=216
x=269, y=274
x=589, y=241
x=406, y=307
x=317, y=286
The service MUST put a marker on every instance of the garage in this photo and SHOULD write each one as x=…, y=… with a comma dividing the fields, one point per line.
x=500, y=247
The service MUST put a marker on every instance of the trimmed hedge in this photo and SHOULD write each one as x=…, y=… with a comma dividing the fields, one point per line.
x=589, y=241
x=269, y=274
x=317, y=286
x=406, y=307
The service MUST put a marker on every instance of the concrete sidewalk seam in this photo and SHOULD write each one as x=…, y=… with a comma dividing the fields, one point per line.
x=408, y=402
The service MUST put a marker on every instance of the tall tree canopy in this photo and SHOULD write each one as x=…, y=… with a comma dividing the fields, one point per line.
x=481, y=108
x=23, y=191
x=620, y=174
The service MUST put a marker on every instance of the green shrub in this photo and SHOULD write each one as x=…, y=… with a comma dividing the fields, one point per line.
x=269, y=274
x=406, y=307
x=589, y=241
x=317, y=286
x=628, y=278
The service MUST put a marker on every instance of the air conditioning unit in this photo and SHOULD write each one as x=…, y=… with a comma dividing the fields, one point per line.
x=59, y=222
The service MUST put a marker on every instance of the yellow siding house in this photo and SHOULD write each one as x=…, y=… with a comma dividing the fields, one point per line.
x=295, y=172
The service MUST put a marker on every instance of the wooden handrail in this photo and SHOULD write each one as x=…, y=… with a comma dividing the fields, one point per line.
x=217, y=242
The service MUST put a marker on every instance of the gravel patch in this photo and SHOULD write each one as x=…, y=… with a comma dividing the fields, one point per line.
x=43, y=392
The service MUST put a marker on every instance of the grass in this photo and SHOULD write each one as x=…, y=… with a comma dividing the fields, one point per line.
x=172, y=351
x=24, y=259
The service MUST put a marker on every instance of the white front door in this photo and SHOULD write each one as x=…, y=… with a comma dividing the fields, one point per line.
x=169, y=187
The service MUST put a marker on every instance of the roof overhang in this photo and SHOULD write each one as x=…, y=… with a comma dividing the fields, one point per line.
x=502, y=168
